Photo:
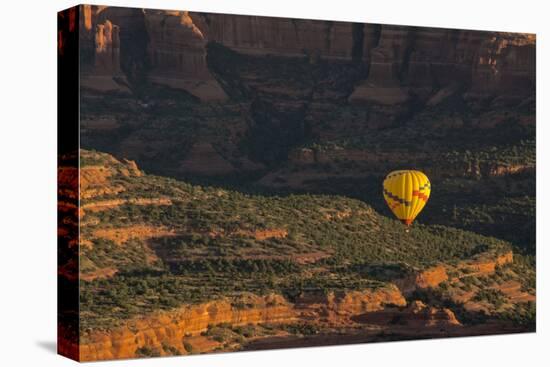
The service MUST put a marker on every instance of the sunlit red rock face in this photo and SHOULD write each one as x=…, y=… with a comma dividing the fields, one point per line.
x=100, y=51
x=176, y=327
x=416, y=316
x=432, y=277
x=400, y=59
x=172, y=328
x=369, y=313
x=384, y=308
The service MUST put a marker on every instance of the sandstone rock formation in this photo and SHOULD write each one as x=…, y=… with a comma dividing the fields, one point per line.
x=419, y=315
x=100, y=60
x=419, y=60
x=107, y=48
x=416, y=316
x=121, y=235
x=402, y=61
x=95, y=179
x=338, y=304
x=282, y=36
x=177, y=50
x=487, y=265
x=505, y=65
x=173, y=328
x=434, y=276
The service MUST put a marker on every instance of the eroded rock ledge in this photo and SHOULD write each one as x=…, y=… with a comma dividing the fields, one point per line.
x=173, y=329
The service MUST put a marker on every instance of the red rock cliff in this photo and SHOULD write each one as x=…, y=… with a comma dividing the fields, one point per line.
x=177, y=51
x=171, y=328
x=433, y=276
x=401, y=59
x=175, y=327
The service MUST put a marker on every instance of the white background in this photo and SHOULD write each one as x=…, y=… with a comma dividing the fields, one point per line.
x=28, y=182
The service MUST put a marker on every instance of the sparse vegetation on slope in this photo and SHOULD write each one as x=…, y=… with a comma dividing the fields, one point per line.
x=283, y=244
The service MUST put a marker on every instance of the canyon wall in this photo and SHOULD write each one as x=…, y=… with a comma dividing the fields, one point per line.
x=432, y=277
x=378, y=162
x=171, y=47
x=417, y=60
x=177, y=53
x=174, y=328
x=100, y=54
x=168, y=331
x=282, y=36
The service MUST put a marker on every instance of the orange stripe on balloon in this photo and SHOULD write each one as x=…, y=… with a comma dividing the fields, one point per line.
x=420, y=195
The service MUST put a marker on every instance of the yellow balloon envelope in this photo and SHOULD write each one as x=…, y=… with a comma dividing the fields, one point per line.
x=406, y=193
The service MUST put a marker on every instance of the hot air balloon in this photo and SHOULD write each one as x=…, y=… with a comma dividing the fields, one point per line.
x=406, y=193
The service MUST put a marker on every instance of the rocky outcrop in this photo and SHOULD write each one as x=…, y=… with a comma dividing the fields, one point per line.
x=339, y=308
x=504, y=64
x=100, y=56
x=473, y=168
x=420, y=315
x=99, y=173
x=387, y=61
x=486, y=265
x=107, y=49
x=177, y=51
x=97, y=176
x=428, y=278
x=97, y=206
x=355, y=302
x=122, y=234
x=417, y=316
x=514, y=291
x=172, y=328
x=165, y=46
x=432, y=277
x=402, y=61
x=415, y=61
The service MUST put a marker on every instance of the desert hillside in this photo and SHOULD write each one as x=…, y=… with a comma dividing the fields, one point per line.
x=282, y=105
x=157, y=254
